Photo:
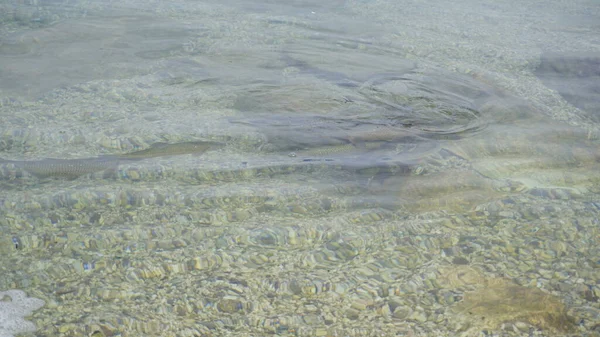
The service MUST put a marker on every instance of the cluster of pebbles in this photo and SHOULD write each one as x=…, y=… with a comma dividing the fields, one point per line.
x=517, y=266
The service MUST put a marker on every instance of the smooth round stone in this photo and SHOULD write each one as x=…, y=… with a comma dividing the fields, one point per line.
x=230, y=305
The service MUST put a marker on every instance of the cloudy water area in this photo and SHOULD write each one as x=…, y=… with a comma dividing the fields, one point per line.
x=299, y=168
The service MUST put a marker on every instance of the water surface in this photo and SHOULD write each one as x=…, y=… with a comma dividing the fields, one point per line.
x=384, y=168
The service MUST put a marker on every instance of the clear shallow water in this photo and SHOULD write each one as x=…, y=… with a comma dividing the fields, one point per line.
x=388, y=169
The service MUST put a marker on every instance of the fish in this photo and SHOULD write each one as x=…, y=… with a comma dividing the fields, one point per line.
x=65, y=168
x=74, y=168
x=174, y=149
x=382, y=134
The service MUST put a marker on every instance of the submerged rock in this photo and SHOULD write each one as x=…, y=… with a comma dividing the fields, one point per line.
x=496, y=301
